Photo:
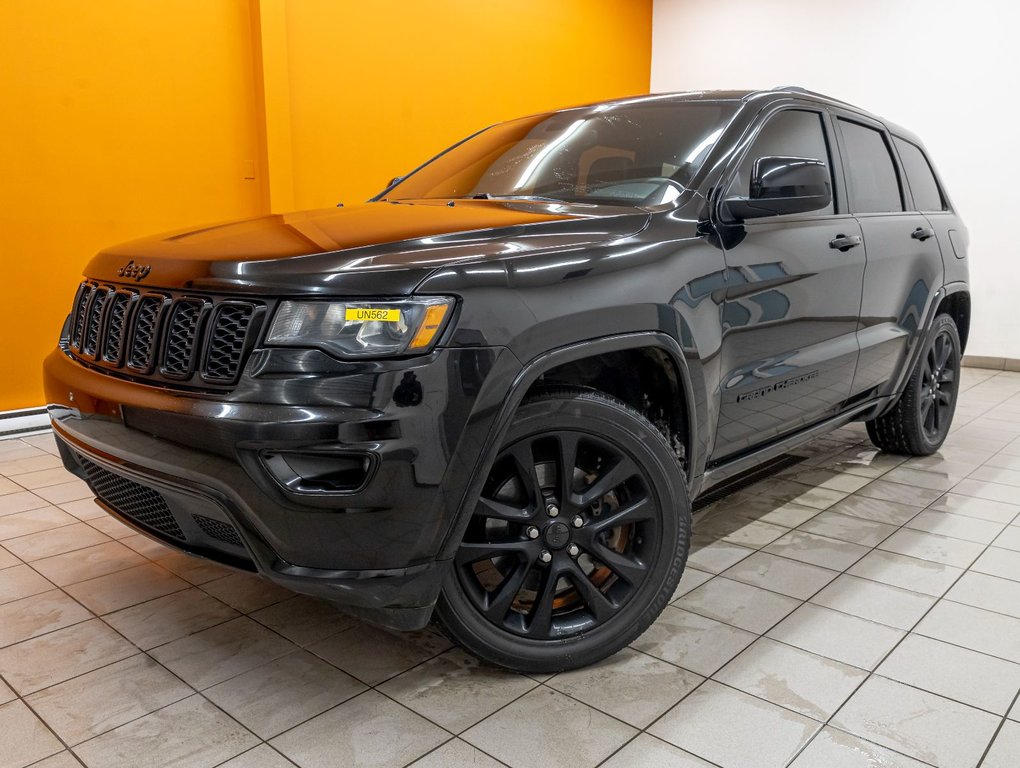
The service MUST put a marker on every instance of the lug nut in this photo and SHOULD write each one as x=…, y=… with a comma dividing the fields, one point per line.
x=578, y=521
x=545, y=557
x=532, y=532
x=552, y=510
x=573, y=550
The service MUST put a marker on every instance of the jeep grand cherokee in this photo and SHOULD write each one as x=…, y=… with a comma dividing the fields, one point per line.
x=492, y=391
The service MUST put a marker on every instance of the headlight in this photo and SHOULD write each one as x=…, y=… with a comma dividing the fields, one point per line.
x=361, y=328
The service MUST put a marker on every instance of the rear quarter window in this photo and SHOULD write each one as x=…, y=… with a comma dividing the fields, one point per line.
x=923, y=185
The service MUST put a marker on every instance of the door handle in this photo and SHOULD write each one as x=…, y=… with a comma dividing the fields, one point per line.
x=845, y=242
x=922, y=233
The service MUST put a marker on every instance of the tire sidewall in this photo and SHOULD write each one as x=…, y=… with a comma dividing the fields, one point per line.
x=611, y=420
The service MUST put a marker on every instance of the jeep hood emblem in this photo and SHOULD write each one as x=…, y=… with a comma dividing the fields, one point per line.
x=136, y=272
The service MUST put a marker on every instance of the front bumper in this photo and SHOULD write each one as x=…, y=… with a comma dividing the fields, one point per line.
x=190, y=468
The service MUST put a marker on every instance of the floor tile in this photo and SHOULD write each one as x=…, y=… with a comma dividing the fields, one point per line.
x=217, y=654
x=7, y=559
x=262, y=756
x=970, y=506
x=957, y=526
x=372, y=654
x=20, y=581
x=790, y=677
x=738, y=604
x=903, y=494
x=780, y=574
x=59, y=760
x=125, y=588
x=857, y=530
x=49, y=659
x=88, y=563
x=970, y=627
x=194, y=570
x=106, y=698
x=931, y=546
x=649, y=752
x=784, y=514
x=246, y=593
x=988, y=592
x=55, y=542
x=549, y=729
x=798, y=493
x=927, y=479
x=11, y=467
x=145, y=546
x=833, y=748
x=1005, y=748
x=20, y=501
x=1002, y=475
x=889, y=512
x=732, y=729
x=33, y=521
x=304, y=620
x=910, y=573
x=25, y=738
x=40, y=478
x=279, y=695
x=170, y=618
x=368, y=730
x=917, y=723
x=995, y=561
x=84, y=509
x=985, y=490
x=455, y=690
x=456, y=754
x=1009, y=538
x=63, y=492
x=817, y=550
x=708, y=554
x=37, y=615
x=691, y=579
x=189, y=734
x=872, y=600
x=836, y=481
x=738, y=530
x=694, y=642
x=954, y=672
x=838, y=636
x=630, y=686
x=6, y=694
x=111, y=526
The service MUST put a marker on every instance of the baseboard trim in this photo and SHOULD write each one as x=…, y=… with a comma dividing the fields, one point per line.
x=992, y=363
x=23, y=421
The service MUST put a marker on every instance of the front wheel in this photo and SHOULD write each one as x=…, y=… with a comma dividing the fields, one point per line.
x=920, y=421
x=577, y=541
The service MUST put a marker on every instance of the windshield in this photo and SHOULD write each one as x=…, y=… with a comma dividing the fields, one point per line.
x=631, y=154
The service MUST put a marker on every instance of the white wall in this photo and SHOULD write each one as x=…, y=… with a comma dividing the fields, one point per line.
x=945, y=69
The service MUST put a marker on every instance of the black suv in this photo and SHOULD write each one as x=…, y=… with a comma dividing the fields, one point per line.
x=492, y=391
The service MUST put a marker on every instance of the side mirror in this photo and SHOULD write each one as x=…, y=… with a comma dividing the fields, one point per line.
x=783, y=185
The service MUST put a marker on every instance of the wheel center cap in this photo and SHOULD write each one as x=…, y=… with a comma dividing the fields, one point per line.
x=557, y=535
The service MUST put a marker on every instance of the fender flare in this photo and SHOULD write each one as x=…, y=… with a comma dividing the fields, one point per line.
x=530, y=373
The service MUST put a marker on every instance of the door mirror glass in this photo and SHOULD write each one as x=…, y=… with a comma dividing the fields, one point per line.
x=783, y=185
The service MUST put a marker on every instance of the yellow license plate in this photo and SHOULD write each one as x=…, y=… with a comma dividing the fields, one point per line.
x=369, y=314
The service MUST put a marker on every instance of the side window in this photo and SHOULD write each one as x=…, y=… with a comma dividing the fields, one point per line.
x=790, y=133
x=871, y=177
x=924, y=188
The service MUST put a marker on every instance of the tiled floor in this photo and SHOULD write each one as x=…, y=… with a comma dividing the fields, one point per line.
x=858, y=611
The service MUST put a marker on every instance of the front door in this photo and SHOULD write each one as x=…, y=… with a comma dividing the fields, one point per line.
x=792, y=300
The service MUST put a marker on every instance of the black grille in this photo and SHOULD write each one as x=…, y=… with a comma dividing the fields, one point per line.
x=200, y=341
x=113, y=342
x=218, y=530
x=227, y=341
x=143, y=505
x=143, y=340
x=185, y=316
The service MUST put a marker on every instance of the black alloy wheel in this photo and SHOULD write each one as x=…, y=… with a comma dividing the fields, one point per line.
x=579, y=532
x=919, y=422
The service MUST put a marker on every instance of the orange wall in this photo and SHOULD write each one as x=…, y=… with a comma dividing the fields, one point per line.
x=125, y=118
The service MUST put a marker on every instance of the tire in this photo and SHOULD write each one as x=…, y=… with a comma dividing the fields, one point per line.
x=615, y=529
x=920, y=421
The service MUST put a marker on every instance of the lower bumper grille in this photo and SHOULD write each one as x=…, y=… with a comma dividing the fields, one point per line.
x=143, y=505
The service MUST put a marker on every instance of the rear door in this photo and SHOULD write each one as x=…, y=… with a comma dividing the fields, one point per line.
x=791, y=304
x=904, y=264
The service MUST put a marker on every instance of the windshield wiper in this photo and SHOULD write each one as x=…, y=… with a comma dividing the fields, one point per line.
x=540, y=198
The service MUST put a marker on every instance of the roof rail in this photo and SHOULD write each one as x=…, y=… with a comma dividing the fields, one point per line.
x=801, y=89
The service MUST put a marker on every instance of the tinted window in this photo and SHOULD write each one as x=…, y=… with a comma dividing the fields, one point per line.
x=870, y=174
x=923, y=186
x=642, y=153
x=791, y=133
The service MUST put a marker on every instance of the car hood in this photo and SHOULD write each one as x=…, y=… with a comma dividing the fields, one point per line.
x=384, y=248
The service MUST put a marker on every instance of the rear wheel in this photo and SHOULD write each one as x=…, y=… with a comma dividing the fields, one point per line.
x=577, y=541
x=920, y=422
